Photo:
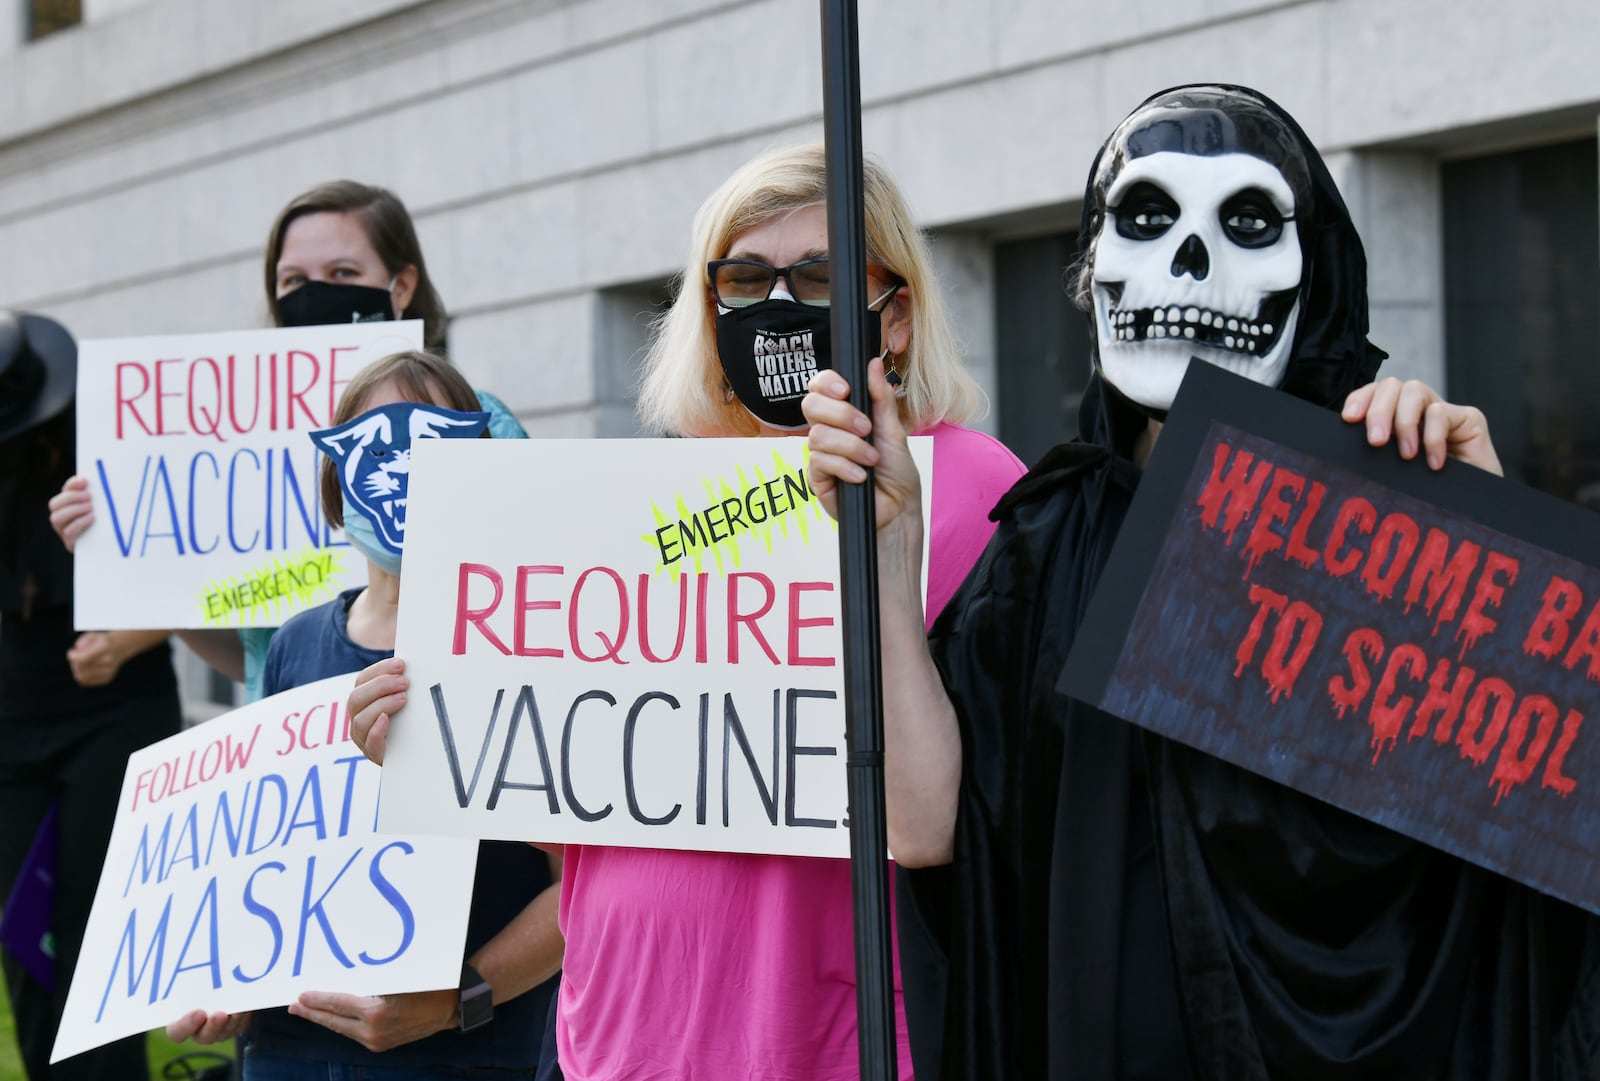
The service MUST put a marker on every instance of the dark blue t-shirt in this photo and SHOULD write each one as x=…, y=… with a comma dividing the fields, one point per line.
x=315, y=645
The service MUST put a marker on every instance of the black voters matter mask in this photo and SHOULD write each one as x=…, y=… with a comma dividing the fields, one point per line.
x=317, y=304
x=769, y=352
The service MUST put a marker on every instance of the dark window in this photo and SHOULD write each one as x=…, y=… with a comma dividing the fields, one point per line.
x=1522, y=308
x=48, y=16
x=624, y=320
x=219, y=688
x=1041, y=342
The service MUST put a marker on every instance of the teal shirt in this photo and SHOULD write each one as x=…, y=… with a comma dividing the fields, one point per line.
x=503, y=424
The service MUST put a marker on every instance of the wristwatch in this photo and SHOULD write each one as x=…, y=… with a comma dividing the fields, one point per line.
x=477, y=1000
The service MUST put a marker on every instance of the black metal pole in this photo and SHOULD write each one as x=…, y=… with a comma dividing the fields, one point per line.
x=858, y=551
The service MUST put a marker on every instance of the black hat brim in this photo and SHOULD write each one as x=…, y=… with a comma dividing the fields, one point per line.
x=57, y=352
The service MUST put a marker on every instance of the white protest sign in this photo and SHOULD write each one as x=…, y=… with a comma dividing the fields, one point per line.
x=243, y=869
x=622, y=642
x=207, y=507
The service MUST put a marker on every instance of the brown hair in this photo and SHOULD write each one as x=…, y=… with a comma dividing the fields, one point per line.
x=419, y=377
x=389, y=230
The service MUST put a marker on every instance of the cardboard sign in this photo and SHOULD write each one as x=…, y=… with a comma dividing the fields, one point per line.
x=622, y=642
x=207, y=508
x=243, y=869
x=1419, y=648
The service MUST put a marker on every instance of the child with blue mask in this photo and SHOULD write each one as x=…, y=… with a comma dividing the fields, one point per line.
x=513, y=949
x=371, y=454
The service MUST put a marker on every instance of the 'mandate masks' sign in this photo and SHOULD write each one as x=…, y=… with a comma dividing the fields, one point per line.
x=243, y=869
x=626, y=642
x=197, y=450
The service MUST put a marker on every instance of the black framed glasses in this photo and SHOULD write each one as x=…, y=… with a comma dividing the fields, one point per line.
x=739, y=283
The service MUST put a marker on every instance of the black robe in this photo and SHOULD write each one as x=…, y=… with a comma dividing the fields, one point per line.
x=1267, y=935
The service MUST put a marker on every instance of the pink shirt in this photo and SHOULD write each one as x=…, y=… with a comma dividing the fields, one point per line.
x=688, y=966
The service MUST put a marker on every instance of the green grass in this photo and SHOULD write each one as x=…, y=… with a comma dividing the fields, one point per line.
x=10, y=1061
x=161, y=1050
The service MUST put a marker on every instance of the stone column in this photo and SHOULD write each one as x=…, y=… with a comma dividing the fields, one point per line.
x=1394, y=198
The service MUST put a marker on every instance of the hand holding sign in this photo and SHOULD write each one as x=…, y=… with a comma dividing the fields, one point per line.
x=202, y=1027
x=641, y=649
x=840, y=450
x=380, y=1022
x=72, y=510
x=244, y=868
x=379, y=693
x=1412, y=409
x=204, y=485
x=1419, y=649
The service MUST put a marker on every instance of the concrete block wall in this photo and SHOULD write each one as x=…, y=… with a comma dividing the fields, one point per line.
x=555, y=149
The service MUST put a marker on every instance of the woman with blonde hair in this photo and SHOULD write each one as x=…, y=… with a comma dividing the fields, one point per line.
x=708, y=964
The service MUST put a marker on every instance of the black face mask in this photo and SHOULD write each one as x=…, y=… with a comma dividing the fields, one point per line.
x=317, y=304
x=770, y=350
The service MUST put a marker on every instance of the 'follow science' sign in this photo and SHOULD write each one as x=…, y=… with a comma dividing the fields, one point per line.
x=244, y=869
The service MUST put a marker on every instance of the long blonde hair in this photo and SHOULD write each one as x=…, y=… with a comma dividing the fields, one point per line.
x=682, y=390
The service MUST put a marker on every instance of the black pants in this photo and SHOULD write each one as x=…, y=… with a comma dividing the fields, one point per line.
x=78, y=764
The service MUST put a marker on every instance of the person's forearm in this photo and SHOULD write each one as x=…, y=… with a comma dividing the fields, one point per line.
x=222, y=650
x=129, y=644
x=922, y=741
x=526, y=952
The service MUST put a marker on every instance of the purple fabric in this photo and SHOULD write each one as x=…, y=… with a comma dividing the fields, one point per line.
x=25, y=924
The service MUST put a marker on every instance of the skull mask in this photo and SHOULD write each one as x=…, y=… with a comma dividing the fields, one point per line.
x=1197, y=252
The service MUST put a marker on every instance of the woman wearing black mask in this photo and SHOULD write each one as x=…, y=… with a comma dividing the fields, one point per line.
x=341, y=252
x=730, y=965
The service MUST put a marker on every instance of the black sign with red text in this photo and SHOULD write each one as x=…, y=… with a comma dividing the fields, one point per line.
x=1421, y=649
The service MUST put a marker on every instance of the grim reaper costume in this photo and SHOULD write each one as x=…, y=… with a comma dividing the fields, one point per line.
x=1120, y=906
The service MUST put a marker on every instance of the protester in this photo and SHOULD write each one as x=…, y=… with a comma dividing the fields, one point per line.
x=73, y=705
x=513, y=943
x=1120, y=906
x=696, y=964
x=341, y=252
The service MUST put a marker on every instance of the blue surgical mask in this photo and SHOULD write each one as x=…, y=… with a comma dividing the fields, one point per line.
x=359, y=531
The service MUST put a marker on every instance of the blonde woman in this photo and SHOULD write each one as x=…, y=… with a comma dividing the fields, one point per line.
x=695, y=964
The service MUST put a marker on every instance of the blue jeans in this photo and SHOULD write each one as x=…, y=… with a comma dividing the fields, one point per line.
x=263, y=1065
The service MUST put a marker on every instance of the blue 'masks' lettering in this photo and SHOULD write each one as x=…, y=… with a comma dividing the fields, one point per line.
x=310, y=909
x=213, y=959
x=408, y=923
x=267, y=916
x=129, y=944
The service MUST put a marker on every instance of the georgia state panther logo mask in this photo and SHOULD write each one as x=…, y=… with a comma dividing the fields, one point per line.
x=1198, y=253
x=372, y=454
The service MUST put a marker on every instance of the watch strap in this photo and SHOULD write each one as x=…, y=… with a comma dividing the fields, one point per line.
x=477, y=1000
